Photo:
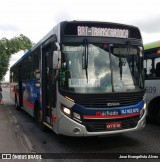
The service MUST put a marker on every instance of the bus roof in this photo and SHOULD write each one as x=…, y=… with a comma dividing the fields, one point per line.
x=152, y=45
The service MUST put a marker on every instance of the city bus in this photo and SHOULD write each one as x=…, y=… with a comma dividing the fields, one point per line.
x=152, y=80
x=83, y=78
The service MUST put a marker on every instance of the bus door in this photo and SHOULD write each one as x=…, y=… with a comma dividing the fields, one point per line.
x=48, y=84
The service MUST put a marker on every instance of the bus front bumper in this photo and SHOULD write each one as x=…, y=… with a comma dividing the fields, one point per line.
x=70, y=127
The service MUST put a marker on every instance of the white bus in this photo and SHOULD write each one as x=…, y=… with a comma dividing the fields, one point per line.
x=83, y=79
x=152, y=79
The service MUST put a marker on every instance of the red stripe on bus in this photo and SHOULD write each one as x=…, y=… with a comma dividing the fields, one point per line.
x=109, y=117
x=30, y=105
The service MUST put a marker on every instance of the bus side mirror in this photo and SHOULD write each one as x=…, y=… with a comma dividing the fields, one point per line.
x=56, y=60
x=37, y=85
x=37, y=76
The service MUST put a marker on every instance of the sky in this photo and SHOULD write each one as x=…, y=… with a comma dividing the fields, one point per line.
x=34, y=18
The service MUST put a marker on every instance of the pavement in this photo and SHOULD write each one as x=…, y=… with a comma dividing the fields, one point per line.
x=12, y=137
x=8, y=136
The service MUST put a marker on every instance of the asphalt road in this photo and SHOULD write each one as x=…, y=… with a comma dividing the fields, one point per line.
x=143, y=141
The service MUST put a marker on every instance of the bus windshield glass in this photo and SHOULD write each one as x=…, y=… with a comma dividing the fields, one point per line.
x=101, y=68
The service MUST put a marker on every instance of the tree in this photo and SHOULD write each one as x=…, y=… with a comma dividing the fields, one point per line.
x=9, y=47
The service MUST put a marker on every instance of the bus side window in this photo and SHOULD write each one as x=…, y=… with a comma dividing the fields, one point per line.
x=145, y=73
x=153, y=72
x=158, y=69
x=36, y=62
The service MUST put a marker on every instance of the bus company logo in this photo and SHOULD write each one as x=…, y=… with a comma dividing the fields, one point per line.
x=98, y=113
x=107, y=113
x=113, y=104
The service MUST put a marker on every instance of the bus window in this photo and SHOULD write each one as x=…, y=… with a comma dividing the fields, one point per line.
x=148, y=67
x=36, y=66
x=157, y=67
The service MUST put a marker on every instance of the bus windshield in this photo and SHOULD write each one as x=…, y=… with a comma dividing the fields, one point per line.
x=101, y=68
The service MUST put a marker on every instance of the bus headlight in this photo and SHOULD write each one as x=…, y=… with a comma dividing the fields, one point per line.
x=66, y=110
x=74, y=115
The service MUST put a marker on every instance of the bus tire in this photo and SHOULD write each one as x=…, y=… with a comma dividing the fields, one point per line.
x=38, y=117
x=157, y=116
x=16, y=104
x=150, y=116
x=152, y=110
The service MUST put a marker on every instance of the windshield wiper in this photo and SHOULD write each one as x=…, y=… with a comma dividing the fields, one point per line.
x=122, y=61
x=128, y=52
x=85, y=57
x=120, y=66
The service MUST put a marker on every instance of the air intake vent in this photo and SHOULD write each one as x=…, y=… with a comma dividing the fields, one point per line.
x=107, y=100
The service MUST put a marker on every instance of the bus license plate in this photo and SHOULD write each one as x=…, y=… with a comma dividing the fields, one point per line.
x=114, y=125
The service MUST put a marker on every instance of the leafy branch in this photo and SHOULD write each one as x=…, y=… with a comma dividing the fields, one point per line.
x=9, y=47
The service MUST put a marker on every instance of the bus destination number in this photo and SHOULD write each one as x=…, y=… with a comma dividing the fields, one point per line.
x=151, y=90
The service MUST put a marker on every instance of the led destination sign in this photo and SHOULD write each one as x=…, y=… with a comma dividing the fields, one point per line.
x=103, y=32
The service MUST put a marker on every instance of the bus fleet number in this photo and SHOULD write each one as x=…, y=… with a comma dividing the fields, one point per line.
x=151, y=90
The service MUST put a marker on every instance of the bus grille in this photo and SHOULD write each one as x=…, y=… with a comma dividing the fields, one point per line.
x=93, y=125
x=102, y=100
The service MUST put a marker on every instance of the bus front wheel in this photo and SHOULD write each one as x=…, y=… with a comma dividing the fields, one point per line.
x=39, y=120
x=16, y=104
